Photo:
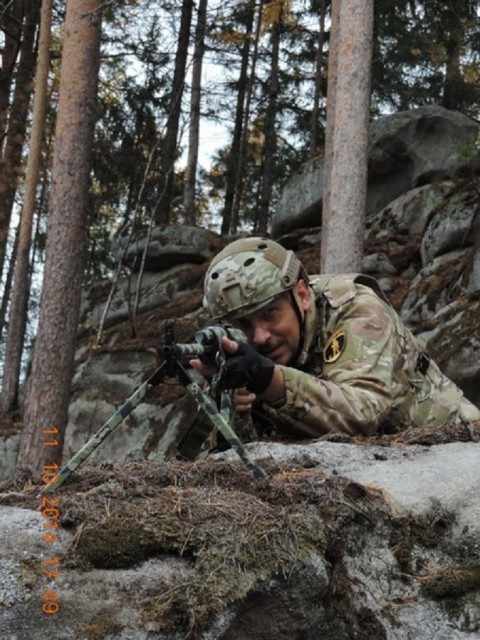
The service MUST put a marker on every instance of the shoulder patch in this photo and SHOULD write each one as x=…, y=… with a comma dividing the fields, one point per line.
x=335, y=347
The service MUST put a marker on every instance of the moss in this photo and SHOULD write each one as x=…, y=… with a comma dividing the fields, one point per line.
x=234, y=532
x=427, y=531
x=116, y=542
x=451, y=581
x=100, y=627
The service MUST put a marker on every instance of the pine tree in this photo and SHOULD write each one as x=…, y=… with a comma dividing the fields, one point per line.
x=345, y=187
x=48, y=388
x=19, y=301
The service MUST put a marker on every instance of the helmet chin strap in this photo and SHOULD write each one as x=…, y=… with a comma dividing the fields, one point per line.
x=301, y=324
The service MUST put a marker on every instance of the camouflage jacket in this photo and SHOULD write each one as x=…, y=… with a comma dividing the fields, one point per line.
x=361, y=370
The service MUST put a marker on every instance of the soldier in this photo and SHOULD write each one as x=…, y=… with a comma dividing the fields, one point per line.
x=325, y=353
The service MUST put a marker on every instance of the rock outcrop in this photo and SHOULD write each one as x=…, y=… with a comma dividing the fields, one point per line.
x=348, y=539
x=406, y=150
x=344, y=540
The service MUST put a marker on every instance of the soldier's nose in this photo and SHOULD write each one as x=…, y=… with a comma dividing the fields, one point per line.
x=260, y=336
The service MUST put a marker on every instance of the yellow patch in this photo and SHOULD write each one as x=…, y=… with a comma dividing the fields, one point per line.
x=335, y=347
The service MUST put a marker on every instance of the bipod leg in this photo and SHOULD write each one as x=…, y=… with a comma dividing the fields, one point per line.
x=206, y=403
x=105, y=430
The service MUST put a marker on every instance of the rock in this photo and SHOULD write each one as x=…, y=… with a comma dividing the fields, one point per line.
x=352, y=539
x=406, y=150
x=8, y=454
x=433, y=288
x=168, y=246
x=300, y=203
x=454, y=343
x=150, y=432
x=116, y=373
x=474, y=272
x=156, y=288
x=456, y=223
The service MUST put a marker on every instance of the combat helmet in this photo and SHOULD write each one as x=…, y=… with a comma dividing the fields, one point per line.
x=247, y=274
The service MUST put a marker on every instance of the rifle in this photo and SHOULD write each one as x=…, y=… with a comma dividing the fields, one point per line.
x=207, y=346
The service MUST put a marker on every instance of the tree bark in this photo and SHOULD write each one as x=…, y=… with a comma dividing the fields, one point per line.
x=346, y=163
x=233, y=160
x=454, y=38
x=318, y=92
x=242, y=156
x=12, y=17
x=48, y=388
x=194, y=129
x=270, y=133
x=19, y=302
x=10, y=163
x=169, y=142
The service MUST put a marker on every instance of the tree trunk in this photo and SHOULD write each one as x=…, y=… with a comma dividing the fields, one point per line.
x=11, y=26
x=330, y=123
x=346, y=153
x=454, y=38
x=19, y=302
x=48, y=389
x=7, y=285
x=233, y=160
x=194, y=129
x=169, y=143
x=10, y=163
x=242, y=157
x=270, y=134
x=318, y=92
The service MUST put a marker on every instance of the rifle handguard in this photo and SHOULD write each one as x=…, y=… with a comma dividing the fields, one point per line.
x=210, y=339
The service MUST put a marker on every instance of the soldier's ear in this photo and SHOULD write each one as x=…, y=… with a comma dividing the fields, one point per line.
x=302, y=294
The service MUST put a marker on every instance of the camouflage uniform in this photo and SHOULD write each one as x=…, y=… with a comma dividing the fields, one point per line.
x=361, y=370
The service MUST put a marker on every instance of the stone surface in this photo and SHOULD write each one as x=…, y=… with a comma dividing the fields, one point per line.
x=168, y=246
x=155, y=288
x=395, y=521
x=406, y=150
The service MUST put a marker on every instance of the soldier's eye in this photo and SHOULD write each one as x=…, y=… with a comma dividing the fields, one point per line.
x=243, y=325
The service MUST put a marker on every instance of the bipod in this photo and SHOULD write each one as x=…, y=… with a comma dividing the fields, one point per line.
x=171, y=367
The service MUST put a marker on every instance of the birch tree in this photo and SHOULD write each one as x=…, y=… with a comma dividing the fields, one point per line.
x=48, y=389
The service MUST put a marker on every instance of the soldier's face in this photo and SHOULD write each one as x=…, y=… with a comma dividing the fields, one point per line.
x=275, y=330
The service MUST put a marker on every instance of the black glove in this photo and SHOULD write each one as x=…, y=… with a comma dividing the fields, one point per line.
x=247, y=368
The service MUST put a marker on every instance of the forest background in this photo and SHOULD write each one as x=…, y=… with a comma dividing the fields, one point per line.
x=255, y=73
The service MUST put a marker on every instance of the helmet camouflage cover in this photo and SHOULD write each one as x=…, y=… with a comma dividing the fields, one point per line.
x=247, y=275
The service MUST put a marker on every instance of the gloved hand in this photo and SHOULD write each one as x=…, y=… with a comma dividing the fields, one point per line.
x=247, y=368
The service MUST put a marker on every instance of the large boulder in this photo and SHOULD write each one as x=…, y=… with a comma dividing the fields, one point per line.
x=156, y=268
x=112, y=303
x=166, y=247
x=406, y=150
x=343, y=540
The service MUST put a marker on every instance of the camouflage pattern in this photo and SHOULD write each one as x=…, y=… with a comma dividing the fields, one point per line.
x=218, y=418
x=96, y=440
x=219, y=422
x=358, y=370
x=247, y=275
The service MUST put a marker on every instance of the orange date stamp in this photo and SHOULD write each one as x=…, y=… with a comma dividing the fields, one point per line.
x=50, y=510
